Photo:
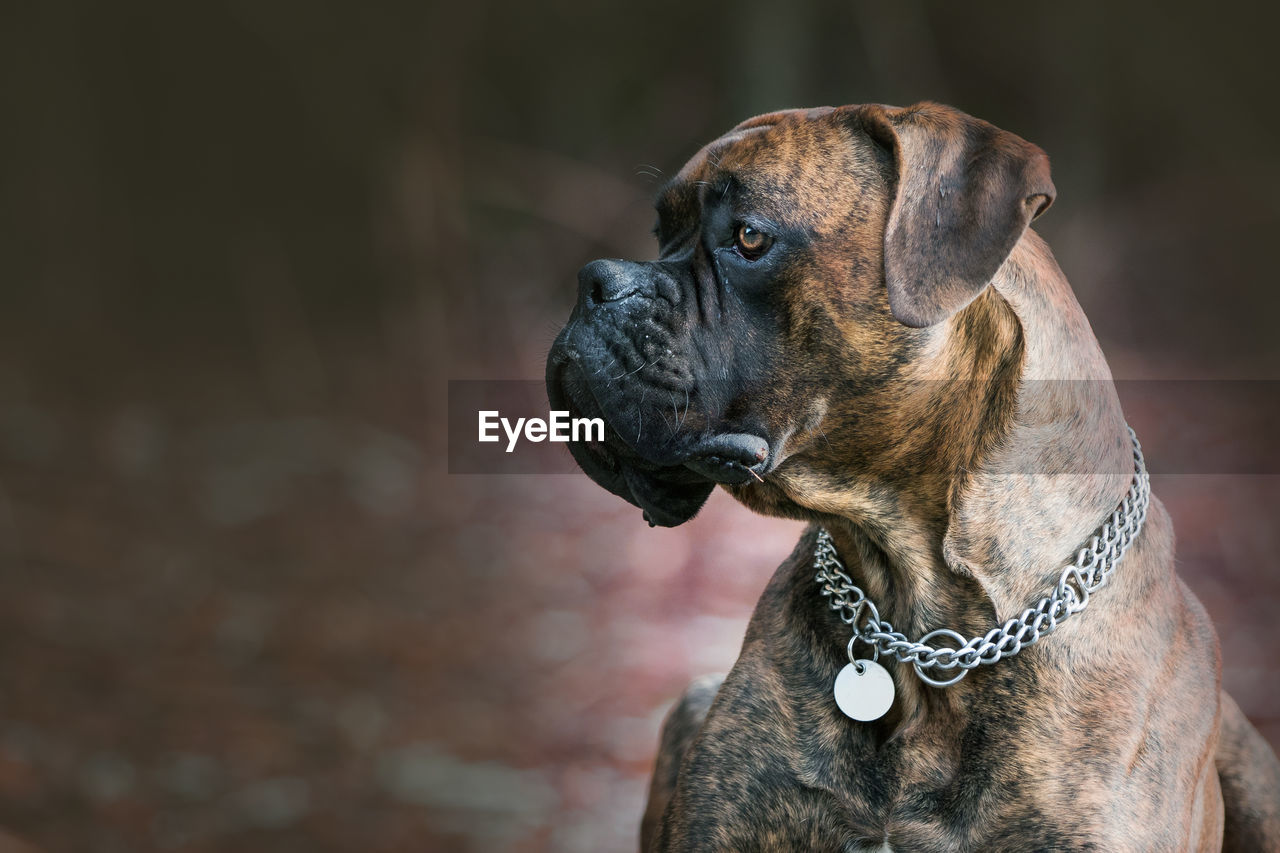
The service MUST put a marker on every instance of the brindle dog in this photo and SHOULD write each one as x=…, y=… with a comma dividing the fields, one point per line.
x=850, y=323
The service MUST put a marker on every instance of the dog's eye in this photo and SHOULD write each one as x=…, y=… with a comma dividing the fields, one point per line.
x=751, y=242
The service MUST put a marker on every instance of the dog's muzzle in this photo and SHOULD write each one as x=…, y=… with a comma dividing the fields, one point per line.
x=662, y=449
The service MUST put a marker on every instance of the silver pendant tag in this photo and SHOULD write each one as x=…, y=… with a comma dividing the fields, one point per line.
x=864, y=695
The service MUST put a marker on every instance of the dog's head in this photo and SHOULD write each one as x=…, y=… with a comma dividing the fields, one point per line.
x=805, y=257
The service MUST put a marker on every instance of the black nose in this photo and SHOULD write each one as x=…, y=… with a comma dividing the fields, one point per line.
x=606, y=281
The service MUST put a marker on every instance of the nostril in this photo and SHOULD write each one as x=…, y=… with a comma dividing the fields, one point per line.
x=600, y=282
x=603, y=291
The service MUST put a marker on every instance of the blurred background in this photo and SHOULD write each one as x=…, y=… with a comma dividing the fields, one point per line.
x=245, y=246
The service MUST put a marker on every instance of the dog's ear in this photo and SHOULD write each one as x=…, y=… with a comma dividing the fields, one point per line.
x=964, y=193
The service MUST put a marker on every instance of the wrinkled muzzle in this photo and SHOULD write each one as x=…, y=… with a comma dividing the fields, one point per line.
x=621, y=358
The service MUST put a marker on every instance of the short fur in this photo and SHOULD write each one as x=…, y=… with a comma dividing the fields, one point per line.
x=907, y=367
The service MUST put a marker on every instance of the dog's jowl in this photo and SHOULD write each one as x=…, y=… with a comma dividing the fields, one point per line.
x=851, y=323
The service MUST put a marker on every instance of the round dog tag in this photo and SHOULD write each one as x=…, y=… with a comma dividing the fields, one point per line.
x=864, y=695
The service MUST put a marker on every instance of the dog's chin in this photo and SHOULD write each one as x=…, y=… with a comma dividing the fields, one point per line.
x=669, y=495
x=670, y=484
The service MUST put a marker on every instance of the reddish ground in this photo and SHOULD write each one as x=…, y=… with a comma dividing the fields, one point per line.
x=232, y=630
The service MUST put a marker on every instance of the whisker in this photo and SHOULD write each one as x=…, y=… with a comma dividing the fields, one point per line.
x=640, y=416
x=625, y=375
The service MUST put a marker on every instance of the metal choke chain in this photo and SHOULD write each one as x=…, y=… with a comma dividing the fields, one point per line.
x=1094, y=565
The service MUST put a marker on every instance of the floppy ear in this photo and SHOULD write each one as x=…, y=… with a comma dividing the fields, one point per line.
x=965, y=192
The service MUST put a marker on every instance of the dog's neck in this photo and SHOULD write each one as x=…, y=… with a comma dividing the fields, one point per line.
x=1012, y=466
x=1064, y=452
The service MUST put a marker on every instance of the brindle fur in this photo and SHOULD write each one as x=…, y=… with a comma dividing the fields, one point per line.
x=894, y=363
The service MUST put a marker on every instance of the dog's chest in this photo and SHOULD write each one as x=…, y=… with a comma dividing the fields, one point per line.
x=815, y=788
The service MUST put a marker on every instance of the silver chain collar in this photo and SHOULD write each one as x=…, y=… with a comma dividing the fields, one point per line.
x=1094, y=565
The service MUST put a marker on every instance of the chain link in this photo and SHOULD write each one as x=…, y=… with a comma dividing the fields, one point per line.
x=1093, y=567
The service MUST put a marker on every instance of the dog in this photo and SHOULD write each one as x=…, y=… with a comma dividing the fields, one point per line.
x=851, y=323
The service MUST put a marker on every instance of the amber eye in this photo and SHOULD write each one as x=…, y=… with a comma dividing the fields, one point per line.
x=751, y=242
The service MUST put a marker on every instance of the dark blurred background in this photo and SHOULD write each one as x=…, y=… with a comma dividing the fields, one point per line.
x=243, y=248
